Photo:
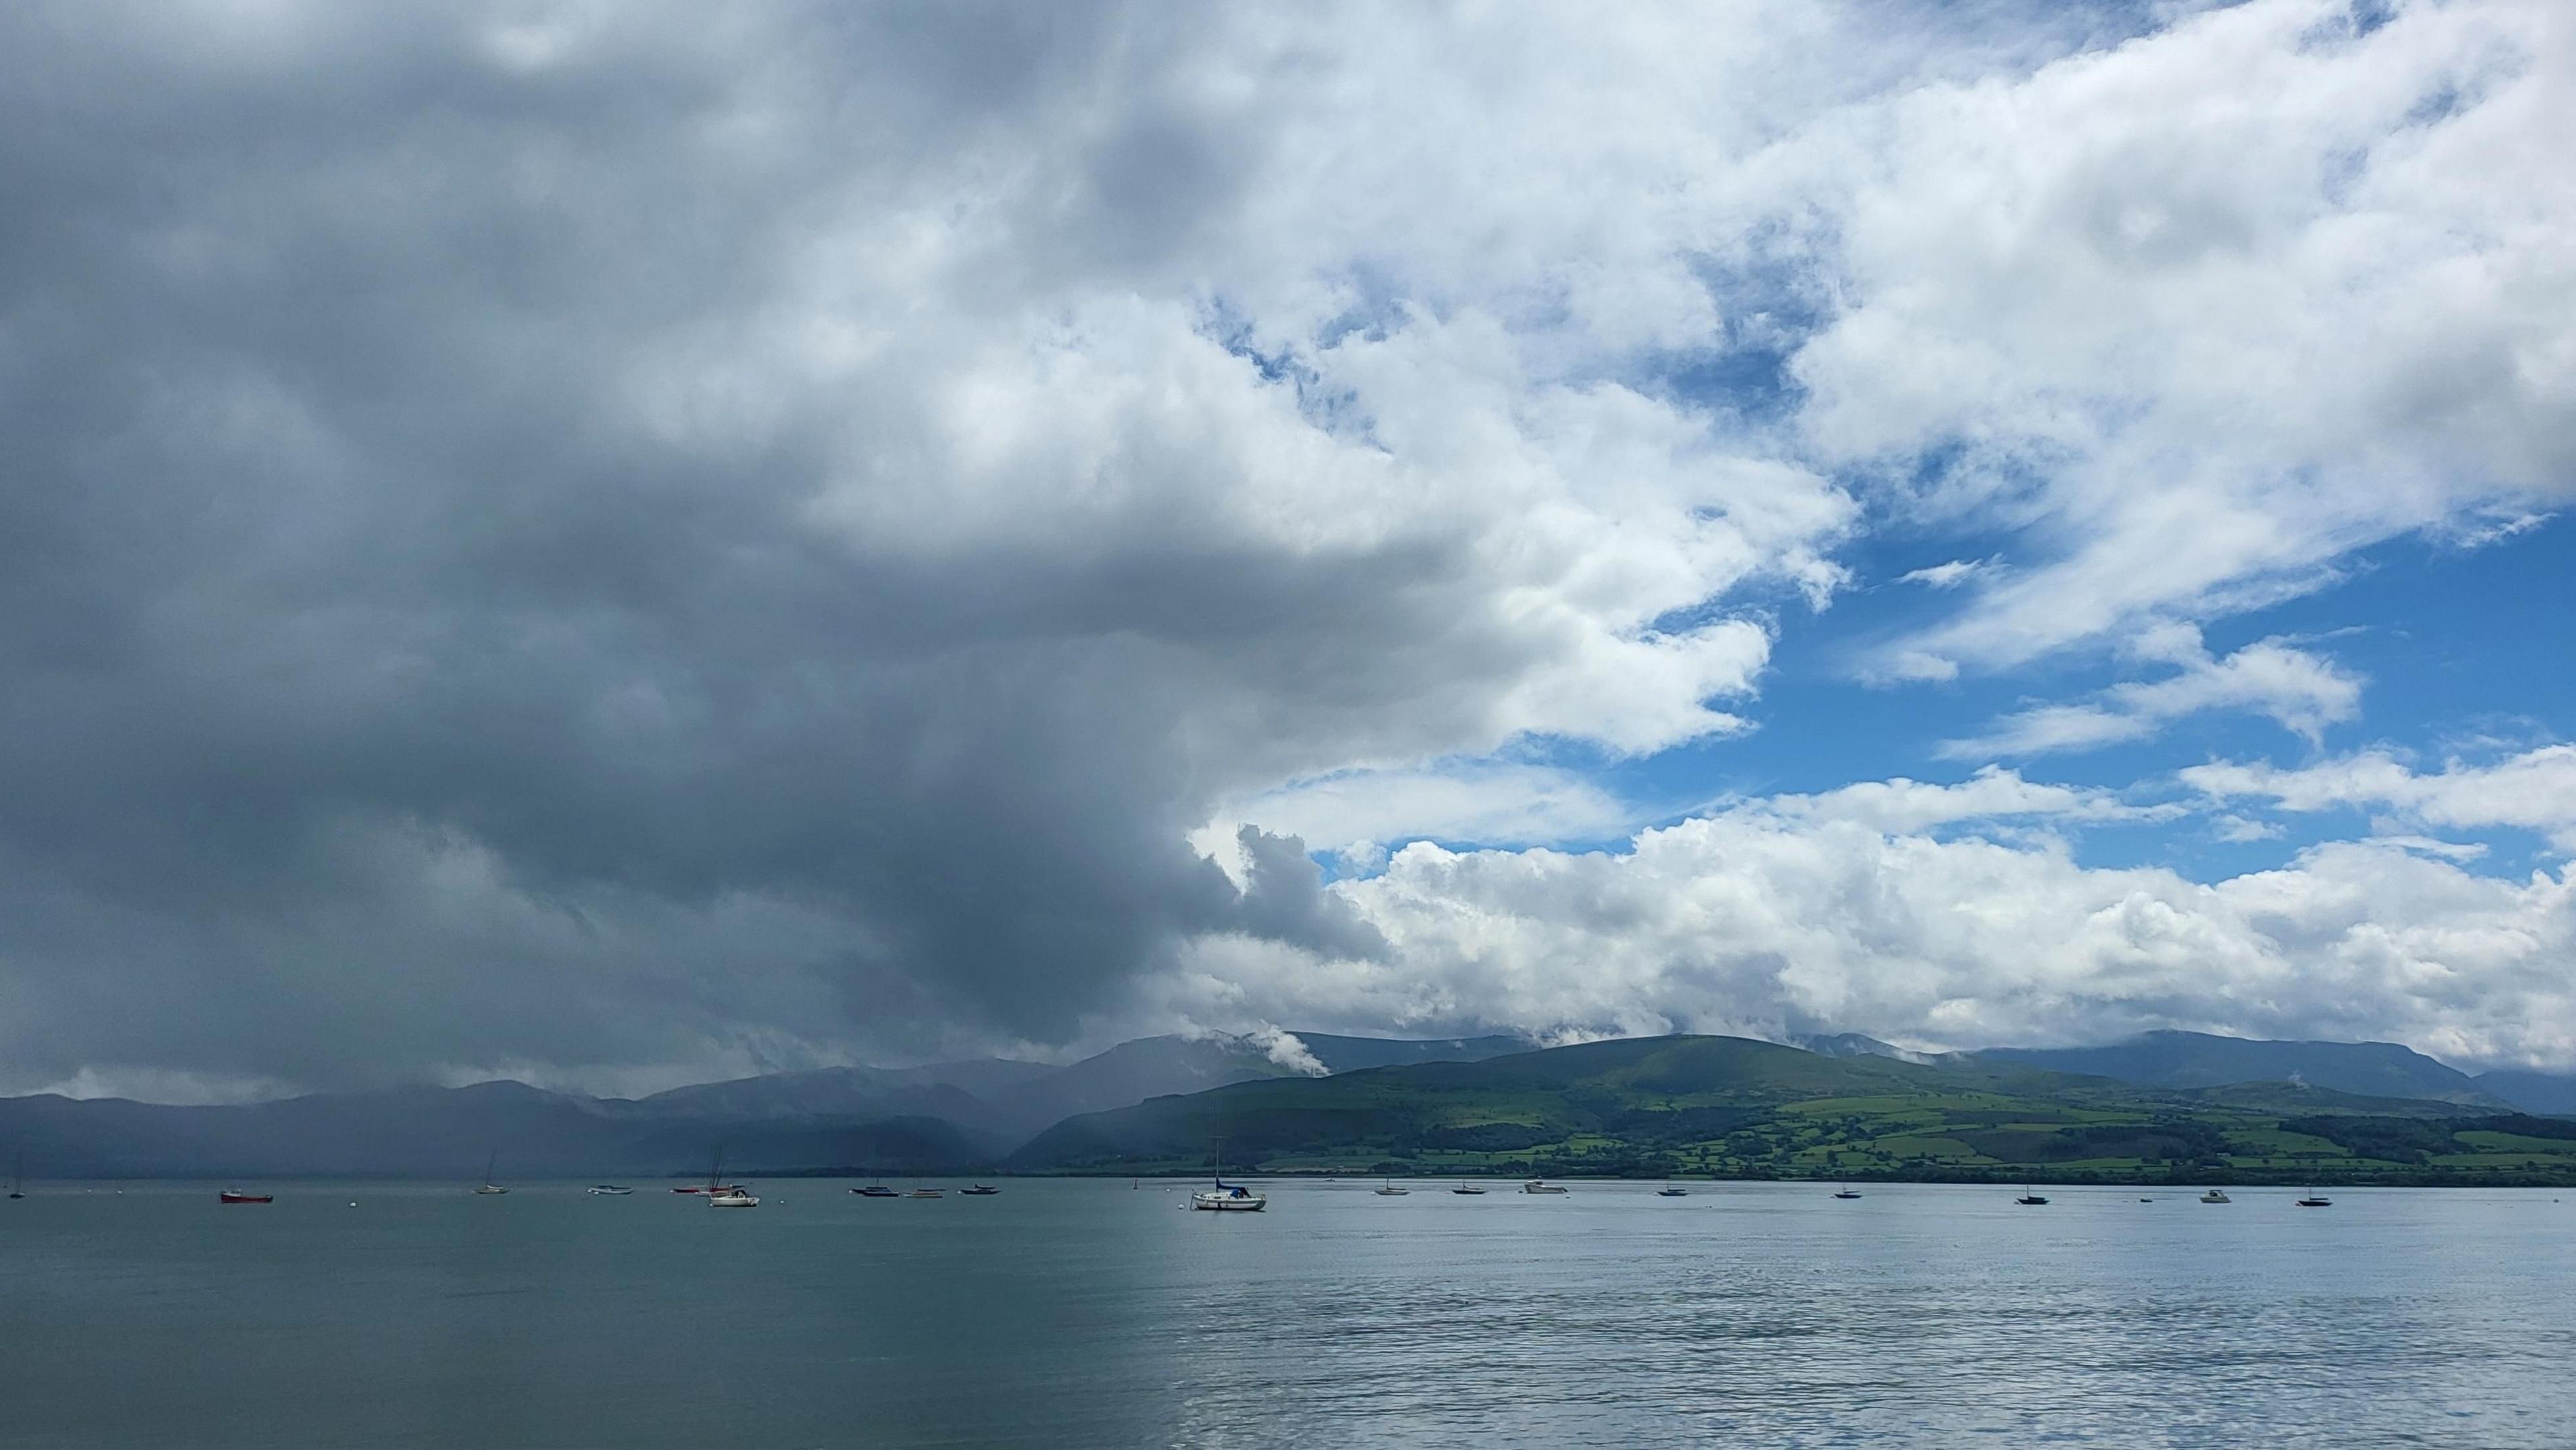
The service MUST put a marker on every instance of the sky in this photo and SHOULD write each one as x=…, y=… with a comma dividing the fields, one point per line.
x=618, y=545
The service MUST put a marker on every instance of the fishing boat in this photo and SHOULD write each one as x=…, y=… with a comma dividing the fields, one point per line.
x=234, y=1195
x=488, y=1185
x=980, y=1190
x=1227, y=1197
x=2216, y=1195
x=610, y=1190
x=1389, y=1190
x=2030, y=1197
x=1464, y=1187
x=925, y=1193
x=1540, y=1185
x=2316, y=1200
x=876, y=1190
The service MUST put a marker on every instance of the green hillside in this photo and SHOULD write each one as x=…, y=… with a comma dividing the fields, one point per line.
x=1730, y=1107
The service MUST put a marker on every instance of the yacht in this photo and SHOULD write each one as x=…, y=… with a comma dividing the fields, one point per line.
x=732, y=1198
x=876, y=1190
x=2031, y=1197
x=488, y=1185
x=1389, y=1190
x=2316, y=1200
x=1227, y=1197
x=2216, y=1195
x=1540, y=1185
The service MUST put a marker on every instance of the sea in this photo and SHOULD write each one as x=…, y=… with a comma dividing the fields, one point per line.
x=1087, y=1312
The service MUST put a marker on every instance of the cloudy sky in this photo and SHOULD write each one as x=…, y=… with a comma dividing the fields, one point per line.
x=618, y=544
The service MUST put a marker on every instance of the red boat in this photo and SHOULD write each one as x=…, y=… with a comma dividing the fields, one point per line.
x=229, y=1196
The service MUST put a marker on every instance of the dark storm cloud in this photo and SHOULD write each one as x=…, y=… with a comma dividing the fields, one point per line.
x=374, y=695
x=579, y=538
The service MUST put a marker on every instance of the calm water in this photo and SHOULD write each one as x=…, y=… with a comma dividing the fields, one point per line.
x=1089, y=1313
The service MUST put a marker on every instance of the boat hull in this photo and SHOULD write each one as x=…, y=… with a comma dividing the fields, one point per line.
x=1228, y=1203
x=229, y=1197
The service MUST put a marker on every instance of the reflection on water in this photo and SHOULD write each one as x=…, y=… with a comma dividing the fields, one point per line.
x=1087, y=1313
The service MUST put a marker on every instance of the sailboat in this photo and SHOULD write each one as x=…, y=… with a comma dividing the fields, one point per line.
x=1389, y=1190
x=1464, y=1187
x=488, y=1185
x=1227, y=1197
x=1846, y=1191
x=17, y=1169
x=2315, y=1199
x=1672, y=1190
x=721, y=1194
x=2030, y=1197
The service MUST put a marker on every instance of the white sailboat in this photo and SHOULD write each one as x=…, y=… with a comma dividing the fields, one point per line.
x=1227, y=1197
x=721, y=1194
x=488, y=1185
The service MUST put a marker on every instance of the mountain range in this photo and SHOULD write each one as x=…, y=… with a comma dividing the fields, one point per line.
x=1089, y=1114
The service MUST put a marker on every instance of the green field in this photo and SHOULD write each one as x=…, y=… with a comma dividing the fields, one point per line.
x=1725, y=1107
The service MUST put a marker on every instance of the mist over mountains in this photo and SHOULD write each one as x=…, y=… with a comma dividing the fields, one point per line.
x=951, y=1116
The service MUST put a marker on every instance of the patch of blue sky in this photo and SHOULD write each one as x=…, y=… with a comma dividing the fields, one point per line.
x=2465, y=650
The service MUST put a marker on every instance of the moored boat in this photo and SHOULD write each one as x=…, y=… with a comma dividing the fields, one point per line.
x=732, y=1198
x=2316, y=1200
x=876, y=1190
x=1466, y=1188
x=1540, y=1185
x=610, y=1190
x=2031, y=1197
x=1227, y=1197
x=2216, y=1195
x=980, y=1190
x=926, y=1193
x=231, y=1195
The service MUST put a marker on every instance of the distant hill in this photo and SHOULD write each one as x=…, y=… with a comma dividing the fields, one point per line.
x=939, y=1118
x=2533, y=1092
x=1733, y=1107
x=2199, y=1059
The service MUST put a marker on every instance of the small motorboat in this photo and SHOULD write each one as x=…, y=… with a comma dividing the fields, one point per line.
x=2216, y=1195
x=926, y=1193
x=2030, y=1197
x=876, y=1190
x=230, y=1195
x=1540, y=1185
x=732, y=1198
x=610, y=1190
x=980, y=1190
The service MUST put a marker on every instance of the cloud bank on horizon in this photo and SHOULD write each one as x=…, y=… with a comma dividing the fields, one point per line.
x=623, y=544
